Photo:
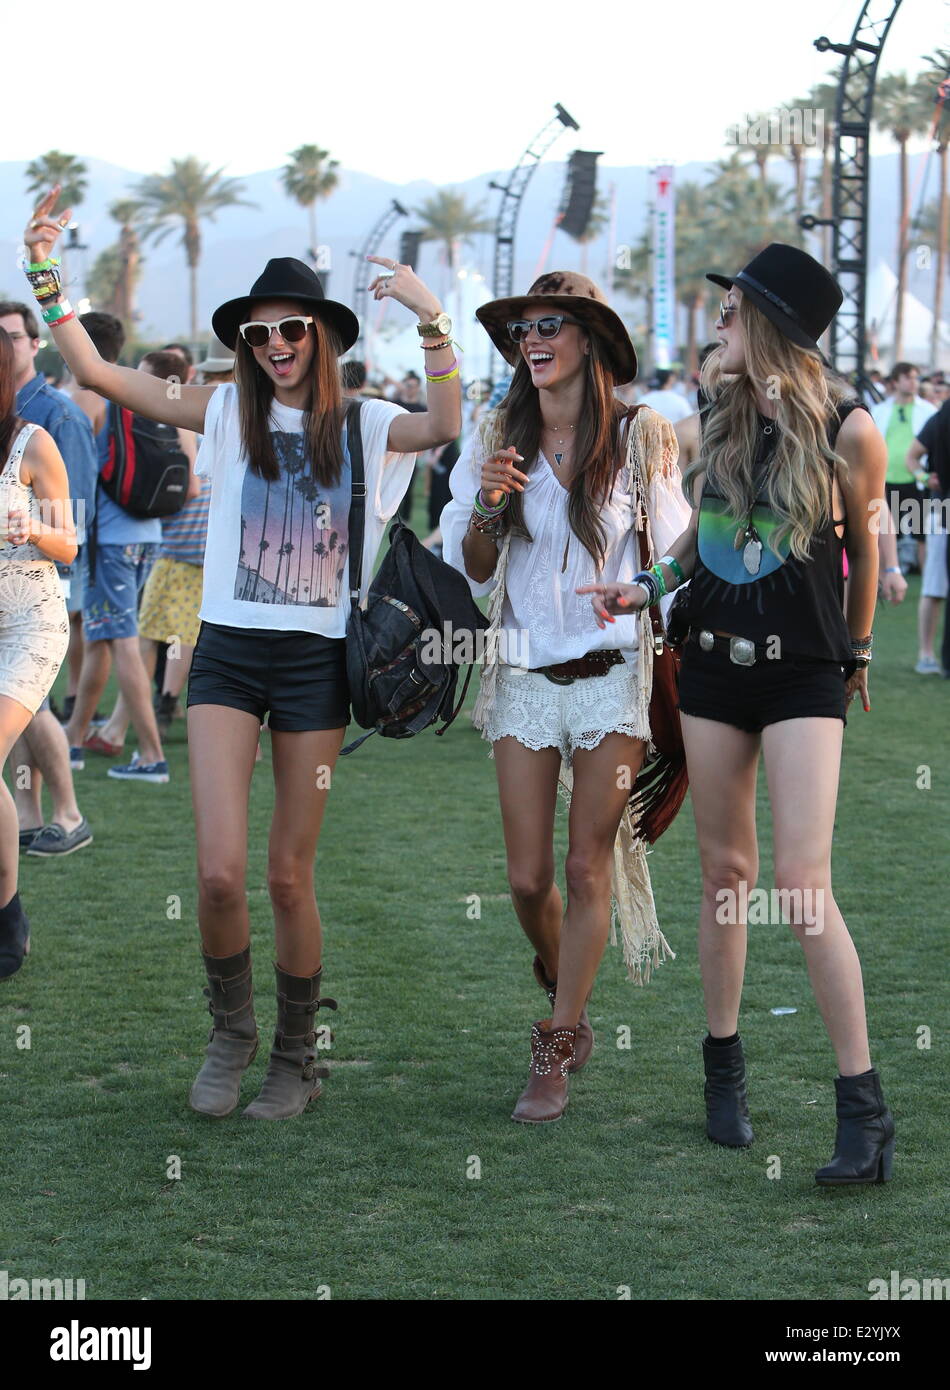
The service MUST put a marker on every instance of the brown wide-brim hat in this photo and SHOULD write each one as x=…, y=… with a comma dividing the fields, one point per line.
x=579, y=298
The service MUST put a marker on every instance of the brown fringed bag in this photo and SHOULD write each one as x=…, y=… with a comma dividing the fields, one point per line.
x=662, y=782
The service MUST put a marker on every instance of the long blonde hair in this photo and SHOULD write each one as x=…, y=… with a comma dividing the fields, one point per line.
x=799, y=489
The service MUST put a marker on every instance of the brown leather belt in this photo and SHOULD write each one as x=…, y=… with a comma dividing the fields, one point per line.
x=593, y=664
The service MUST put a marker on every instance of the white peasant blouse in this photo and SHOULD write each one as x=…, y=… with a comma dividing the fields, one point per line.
x=544, y=621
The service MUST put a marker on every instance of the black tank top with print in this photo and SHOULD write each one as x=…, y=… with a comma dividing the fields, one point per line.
x=741, y=586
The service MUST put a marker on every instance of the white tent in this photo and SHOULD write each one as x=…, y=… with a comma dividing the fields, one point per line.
x=881, y=308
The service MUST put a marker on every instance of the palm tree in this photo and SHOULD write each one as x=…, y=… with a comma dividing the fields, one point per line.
x=823, y=97
x=310, y=175
x=449, y=218
x=264, y=545
x=693, y=290
x=68, y=171
x=596, y=222
x=320, y=550
x=762, y=149
x=128, y=212
x=901, y=110
x=185, y=196
x=936, y=72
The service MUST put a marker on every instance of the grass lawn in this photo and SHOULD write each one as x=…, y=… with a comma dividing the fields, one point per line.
x=368, y=1193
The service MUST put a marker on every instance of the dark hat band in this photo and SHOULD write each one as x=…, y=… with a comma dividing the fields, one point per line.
x=771, y=296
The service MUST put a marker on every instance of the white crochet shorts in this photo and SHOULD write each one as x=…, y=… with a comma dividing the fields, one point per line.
x=539, y=714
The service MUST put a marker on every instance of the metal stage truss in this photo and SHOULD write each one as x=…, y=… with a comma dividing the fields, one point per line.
x=512, y=193
x=362, y=273
x=853, y=114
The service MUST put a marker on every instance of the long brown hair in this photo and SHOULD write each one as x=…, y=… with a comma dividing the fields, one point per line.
x=323, y=417
x=9, y=420
x=517, y=421
x=799, y=487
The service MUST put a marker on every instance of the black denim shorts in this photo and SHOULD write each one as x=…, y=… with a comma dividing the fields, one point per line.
x=752, y=697
x=298, y=677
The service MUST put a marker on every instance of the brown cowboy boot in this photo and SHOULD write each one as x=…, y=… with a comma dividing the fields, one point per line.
x=292, y=1079
x=545, y=1096
x=232, y=1042
x=585, y=1033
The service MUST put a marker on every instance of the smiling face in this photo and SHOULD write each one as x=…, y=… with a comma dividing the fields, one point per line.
x=288, y=365
x=731, y=336
x=554, y=361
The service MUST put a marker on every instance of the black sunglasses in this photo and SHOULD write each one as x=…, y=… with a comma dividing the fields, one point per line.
x=548, y=327
x=292, y=330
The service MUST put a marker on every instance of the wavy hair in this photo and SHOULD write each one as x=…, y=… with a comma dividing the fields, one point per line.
x=517, y=421
x=9, y=421
x=799, y=487
x=323, y=417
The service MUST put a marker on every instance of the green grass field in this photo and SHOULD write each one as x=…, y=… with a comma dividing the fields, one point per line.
x=368, y=1193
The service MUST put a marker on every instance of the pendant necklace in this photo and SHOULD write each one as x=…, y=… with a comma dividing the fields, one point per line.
x=556, y=429
x=747, y=538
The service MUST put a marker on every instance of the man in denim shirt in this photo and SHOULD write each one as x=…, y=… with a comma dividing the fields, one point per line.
x=44, y=747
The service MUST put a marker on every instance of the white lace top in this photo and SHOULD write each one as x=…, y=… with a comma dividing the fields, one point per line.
x=544, y=622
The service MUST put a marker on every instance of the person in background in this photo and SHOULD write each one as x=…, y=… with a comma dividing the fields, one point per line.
x=900, y=420
x=353, y=380
x=43, y=749
x=409, y=396
x=36, y=532
x=933, y=443
x=217, y=367
x=168, y=612
x=664, y=399
x=187, y=356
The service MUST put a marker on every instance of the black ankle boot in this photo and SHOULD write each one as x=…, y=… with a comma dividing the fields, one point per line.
x=14, y=937
x=727, y=1113
x=864, y=1144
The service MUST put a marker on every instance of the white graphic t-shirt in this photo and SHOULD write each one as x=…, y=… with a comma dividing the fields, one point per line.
x=278, y=552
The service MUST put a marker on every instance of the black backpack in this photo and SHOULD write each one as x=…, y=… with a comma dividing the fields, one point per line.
x=419, y=627
x=146, y=472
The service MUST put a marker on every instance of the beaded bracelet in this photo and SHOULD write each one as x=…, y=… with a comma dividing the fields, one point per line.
x=484, y=510
x=45, y=278
x=437, y=347
x=859, y=643
x=660, y=578
x=486, y=525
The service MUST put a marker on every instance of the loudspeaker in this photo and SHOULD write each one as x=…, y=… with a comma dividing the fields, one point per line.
x=579, y=192
x=409, y=248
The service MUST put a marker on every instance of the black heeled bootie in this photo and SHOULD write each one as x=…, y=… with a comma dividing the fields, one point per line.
x=14, y=937
x=864, y=1144
x=727, y=1111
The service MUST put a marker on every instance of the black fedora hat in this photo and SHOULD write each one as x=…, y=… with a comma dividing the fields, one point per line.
x=285, y=278
x=792, y=289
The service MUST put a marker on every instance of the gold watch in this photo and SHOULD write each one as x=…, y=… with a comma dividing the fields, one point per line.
x=440, y=327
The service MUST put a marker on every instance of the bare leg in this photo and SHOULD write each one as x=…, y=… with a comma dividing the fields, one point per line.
x=48, y=747
x=722, y=772
x=176, y=671
x=27, y=791
x=597, y=806
x=96, y=665
x=136, y=690
x=802, y=758
x=221, y=745
x=527, y=787
x=117, y=727
x=928, y=617
x=74, y=653
x=303, y=765
x=14, y=718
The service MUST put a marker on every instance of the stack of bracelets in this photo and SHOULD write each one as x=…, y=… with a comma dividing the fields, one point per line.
x=654, y=580
x=446, y=373
x=46, y=283
x=488, y=520
x=861, y=649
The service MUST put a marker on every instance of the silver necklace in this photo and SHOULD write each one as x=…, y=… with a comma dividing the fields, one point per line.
x=747, y=538
x=556, y=429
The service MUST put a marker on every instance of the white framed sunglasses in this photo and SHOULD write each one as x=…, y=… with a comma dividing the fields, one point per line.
x=292, y=329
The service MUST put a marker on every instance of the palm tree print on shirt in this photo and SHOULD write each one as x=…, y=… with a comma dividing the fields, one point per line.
x=288, y=528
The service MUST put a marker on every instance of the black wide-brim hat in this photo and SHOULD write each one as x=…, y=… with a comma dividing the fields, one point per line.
x=792, y=290
x=580, y=299
x=285, y=278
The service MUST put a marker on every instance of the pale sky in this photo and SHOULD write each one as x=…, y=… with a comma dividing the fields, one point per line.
x=437, y=89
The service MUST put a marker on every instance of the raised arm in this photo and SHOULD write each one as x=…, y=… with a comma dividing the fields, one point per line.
x=441, y=422
x=183, y=406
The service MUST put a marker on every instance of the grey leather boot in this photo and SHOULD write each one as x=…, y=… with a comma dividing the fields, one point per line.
x=292, y=1079
x=232, y=1043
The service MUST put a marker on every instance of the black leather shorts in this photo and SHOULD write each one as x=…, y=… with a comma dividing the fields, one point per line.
x=298, y=677
x=752, y=697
